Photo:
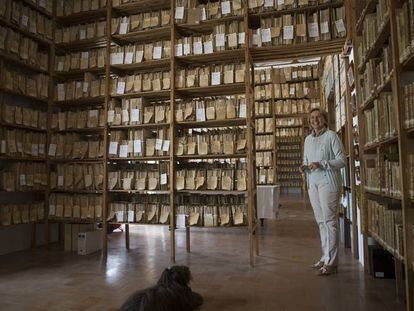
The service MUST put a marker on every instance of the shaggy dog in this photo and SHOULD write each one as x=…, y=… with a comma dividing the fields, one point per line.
x=171, y=293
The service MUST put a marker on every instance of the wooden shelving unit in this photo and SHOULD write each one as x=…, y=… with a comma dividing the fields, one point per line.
x=381, y=149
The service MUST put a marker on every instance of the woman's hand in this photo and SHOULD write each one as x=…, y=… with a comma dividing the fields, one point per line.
x=302, y=168
x=314, y=165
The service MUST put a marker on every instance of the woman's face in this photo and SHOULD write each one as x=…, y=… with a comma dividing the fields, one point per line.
x=317, y=120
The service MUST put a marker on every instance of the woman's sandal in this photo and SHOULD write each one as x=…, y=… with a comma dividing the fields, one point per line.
x=327, y=270
x=318, y=265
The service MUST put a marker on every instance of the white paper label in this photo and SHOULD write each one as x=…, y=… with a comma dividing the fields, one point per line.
x=313, y=30
x=242, y=110
x=123, y=151
x=129, y=56
x=340, y=26
x=179, y=50
x=139, y=56
x=157, y=52
x=186, y=48
x=233, y=40
x=123, y=28
x=208, y=47
x=158, y=144
x=52, y=150
x=120, y=88
x=135, y=115
x=131, y=215
x=85, y=55
x=200, y=114
x=220, y=39
x=113, y=147
x=85, y=87
x=60, y=181
x=288, y=32
x=111, y=115
x=137, y=146
x=268, y=3
x=24, y=20
x=3, y=146
x=280, y=2
x=242, y=37
x=262, y=179
x=163, y=179
x=22, y=180
x=93, y=113
x=166, y=145
x=61, y=91
x=125, y=115
x=266, y=35
x=82, y=34
x=179, y=12
x=35, y=150
x=120, y=216
x=60, y=66
x=324, y=28
x=294, y=74
x=216, y=78
x=52, y=209
x=225, y=7
x=198, y=47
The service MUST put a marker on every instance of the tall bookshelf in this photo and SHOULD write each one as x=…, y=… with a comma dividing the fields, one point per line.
x=383, y=66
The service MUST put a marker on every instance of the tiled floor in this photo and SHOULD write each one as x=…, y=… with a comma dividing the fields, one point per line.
x=281, y=279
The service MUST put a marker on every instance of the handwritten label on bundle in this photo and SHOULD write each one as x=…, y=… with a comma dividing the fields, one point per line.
x=163, y=179
x=242, y=110
x=125, y=115
x=61, y=91
x=208, y=47
x=129, y=56
x=157, y=52
x=324, y=28
x=22, y=180
x=131, y=215
x=52, y=209
x=262, y=179
x=120, y=87
x=200, y=114
x=288, y=32
x=203, y=14
x=82, y=34
x=60, y=181
x=158, y=144
x=198, y=47
x=123, y=28
x=179, y=49
x=313, y=30
x=123, y=151
x=280, y=2
x=52, y=150
x=179, y=12
x=137, y=146
x=292, y=91
x=187, y=49
x=25, y=20
x=266, y=35
x=220, y=40
x=268, y=3
x=233, y=40
x=60, y=66
x=166, y=145
x=242, y=37
x=216, y=78
x=139, y=56
x=134, y=115
x=294, y=74
x=85, y=87
x=225, y=7
x=111, y=115
x=340, y=26
x=113, y=147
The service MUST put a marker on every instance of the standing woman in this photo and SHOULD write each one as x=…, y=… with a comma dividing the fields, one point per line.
x=322, y=161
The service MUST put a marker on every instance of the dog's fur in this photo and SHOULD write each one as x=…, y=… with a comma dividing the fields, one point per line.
x=172, y=293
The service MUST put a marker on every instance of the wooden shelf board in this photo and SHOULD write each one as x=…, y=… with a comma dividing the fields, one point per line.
x=77, y=191
x=78, y=73
x=369, y=103
x=142, y=6
x=37, y=8
x=388, y=248
x=205, y=26
x=140, y=159
x=160, y=64
x=299, y=50
x=139, y=126
x=79, y=161
x=81, y=101
x=20, y=158
x=14, y=59
x=12, y=92
x=265, y=150
x=212, y=156
x=301, y=9
x=215, y=90
x=369, y=8
x=213, y=192
x=289, y=126
x=216, y=57
x=153, y=34
x=39, y=39
x=22, y=127
x=263, y=116
x=213, y=123
x=377, y=46
x=410, y=132
x=155, y=192
x=23, y=191
x=292, y=115
x=85, y=44
x=382, y=143
x=146, y=94
x=82, y=17
x=71, y=220
x=264, y=133
x=139, y=223
x=392, y=202
x=81, y=130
